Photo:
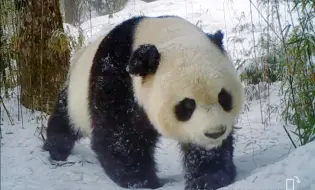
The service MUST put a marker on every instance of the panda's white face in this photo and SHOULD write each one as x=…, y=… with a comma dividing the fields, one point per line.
x=195, y=95
x=192, y=97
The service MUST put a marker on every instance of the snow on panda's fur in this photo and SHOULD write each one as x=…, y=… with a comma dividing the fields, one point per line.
x=147, y=77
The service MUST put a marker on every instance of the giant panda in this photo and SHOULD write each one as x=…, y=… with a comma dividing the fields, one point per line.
x=151, y=77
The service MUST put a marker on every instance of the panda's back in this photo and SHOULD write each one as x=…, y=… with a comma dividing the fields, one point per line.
x=166, y=30
x=78, y=87
x=119, y=43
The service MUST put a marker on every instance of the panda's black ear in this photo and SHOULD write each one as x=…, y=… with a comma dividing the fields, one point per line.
x=217, y=38
x=144, y=60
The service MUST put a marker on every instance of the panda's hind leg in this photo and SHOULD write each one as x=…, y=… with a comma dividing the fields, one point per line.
x=61, y=136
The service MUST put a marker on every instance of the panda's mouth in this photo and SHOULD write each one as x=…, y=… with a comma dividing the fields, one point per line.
x=214, y=135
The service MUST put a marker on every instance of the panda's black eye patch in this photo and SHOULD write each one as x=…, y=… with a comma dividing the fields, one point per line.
x=184, y=109
x=225, y=100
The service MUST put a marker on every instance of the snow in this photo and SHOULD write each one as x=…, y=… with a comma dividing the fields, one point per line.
x=264, y=155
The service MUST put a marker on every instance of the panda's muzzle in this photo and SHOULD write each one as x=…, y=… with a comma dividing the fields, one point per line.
x=220, y=131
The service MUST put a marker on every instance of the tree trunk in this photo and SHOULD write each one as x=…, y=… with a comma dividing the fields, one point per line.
x=72, y=15
x=148, y=1
x=43, y=54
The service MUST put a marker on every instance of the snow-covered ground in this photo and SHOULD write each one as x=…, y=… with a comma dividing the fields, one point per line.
x=264, y=156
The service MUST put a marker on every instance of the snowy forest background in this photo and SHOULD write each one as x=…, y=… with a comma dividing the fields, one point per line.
x=271, y=42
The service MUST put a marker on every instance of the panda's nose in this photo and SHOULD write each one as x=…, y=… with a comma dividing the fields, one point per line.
x=219, y=132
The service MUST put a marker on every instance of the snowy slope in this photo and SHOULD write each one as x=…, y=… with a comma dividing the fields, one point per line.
x=262, y=154
x=298, y=166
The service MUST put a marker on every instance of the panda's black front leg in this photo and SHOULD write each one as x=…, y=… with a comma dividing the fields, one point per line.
x=127, y=155
x=209, y=169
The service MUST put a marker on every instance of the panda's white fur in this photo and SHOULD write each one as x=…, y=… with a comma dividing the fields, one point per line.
x=190, y=66
x=78, y=87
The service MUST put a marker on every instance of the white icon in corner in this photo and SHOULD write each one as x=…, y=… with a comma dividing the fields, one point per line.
x=290, y=183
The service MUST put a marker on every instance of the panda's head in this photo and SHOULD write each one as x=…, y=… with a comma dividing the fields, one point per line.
x=186, y=84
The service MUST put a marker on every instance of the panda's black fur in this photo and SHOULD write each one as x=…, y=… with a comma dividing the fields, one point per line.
x=122, y=137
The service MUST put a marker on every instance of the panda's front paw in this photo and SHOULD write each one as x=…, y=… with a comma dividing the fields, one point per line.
x=209, y=182
x=59, y=147
x=139, y=184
